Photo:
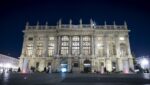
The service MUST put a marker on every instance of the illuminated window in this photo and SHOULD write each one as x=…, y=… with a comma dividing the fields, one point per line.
x=50, y=49
x=86, y=45
x=86, y=50
x=64, y=45
x=64, y=50
x=75, y=38
x=86, y=38
x=75, y=45
x=51, y=38
x=51, y=46
x=112, y=49
x=121, y=38
x=65, y=38
x=30, y=49
x=99, y=38
x=123, y=49
x=39, y=49
x=100, y=47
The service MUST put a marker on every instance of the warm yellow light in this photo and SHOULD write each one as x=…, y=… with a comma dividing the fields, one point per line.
x=99, y=45
x=121, y=38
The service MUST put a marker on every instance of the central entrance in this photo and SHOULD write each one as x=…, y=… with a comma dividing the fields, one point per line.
x=64, y=65
x=87, y=66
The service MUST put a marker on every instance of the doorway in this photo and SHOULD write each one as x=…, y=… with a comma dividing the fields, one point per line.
x=87, y=66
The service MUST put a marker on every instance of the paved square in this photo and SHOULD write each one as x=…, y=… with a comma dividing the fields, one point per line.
x=74, y=79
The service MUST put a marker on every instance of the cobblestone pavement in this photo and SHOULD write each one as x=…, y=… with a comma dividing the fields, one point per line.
x=74, y=79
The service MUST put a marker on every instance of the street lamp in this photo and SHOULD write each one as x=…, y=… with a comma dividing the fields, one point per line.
x=144, y=62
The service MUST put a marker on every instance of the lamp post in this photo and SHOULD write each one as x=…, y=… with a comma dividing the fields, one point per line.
x=144, y=63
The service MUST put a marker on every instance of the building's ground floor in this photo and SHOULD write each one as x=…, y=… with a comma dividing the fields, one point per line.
x=71, y=64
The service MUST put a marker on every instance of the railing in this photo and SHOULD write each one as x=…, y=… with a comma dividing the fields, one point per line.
x=83, y=26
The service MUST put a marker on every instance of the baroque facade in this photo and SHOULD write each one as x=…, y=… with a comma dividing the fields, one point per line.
x=82, y=47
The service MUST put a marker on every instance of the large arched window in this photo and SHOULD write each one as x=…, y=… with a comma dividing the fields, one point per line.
x=112, y=49
x=123, y=49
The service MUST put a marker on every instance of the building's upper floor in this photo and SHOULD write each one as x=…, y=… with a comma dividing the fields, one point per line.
x=80, y=26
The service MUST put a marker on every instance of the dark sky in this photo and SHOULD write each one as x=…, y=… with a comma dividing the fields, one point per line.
x=15, y=13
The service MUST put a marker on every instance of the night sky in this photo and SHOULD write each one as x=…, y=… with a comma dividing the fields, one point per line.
x=15, y=13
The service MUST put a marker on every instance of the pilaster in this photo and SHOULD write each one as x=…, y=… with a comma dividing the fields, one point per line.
x=92, y=45
x=120, y=64
x=81, y=42
x=108, y=65
x=46, y=46
x=117, y=46
x=128, y=46
x=55, y=45
x=70, y=44
x=58, y=45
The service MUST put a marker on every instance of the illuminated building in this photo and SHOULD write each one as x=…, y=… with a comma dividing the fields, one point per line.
x=82, y=47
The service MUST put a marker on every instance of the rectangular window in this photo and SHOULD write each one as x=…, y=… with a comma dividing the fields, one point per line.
x=30, y=49
x=30, y=38
x=64, y=50
x=51, y=45
x=51, y=38
x=86, y=43
x=75, y=45
x=39, y=49
x=64, y=45
x=86, y=50
x=50, y=49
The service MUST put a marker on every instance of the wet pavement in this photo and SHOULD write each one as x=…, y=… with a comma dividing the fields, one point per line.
x=74, y=79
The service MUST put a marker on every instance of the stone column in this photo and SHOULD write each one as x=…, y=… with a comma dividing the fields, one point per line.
x=57, y=64
x=108, y=65
x=98, y=65
x=46, y=46
x=34, y=46
x=41, y=64
x=128, y=46
x=105, y=46
x=54, y=64
x=131, y=63
x=69, y=64
x=117, y=46
x=120, y=64
x=81, y=64
x=32, y=63
x=96, y=46
x=92, y=68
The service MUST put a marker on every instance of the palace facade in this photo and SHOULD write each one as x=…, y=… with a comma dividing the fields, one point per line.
x=82, y=47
